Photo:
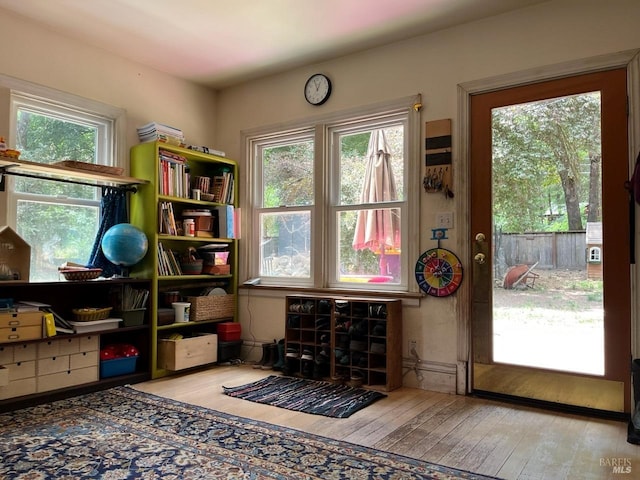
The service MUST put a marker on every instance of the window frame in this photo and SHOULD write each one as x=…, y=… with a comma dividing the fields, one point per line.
x=324, y=242
x=109, y=122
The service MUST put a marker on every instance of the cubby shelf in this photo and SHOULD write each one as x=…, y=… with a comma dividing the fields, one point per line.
x=350, y=339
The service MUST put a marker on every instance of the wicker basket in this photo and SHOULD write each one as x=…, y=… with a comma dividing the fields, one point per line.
x=90, y=314
x=212, y=307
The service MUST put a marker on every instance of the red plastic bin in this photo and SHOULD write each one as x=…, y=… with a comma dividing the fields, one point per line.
x=229, y=331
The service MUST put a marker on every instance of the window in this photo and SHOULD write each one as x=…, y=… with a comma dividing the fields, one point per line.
x=594, y=255
x=59, y=220
x=330, y=206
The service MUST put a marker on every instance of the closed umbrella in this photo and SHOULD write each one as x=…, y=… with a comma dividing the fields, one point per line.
x=378, y=229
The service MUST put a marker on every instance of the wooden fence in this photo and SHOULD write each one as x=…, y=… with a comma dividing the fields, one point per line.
x=551, y=250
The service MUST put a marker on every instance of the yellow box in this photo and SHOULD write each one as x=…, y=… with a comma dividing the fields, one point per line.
x=187, y=352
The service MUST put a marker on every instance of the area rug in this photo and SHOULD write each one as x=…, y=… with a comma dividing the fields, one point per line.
x=123, y=433
x=309, y=396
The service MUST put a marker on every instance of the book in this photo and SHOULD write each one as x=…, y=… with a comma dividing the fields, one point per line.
x=226, y=221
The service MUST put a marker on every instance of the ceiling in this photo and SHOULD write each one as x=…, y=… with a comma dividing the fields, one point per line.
x=222, y=42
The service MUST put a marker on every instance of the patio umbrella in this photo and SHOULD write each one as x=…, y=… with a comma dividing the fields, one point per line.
x=377, y=229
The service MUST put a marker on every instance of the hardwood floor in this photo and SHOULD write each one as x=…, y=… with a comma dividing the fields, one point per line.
x=481, y=436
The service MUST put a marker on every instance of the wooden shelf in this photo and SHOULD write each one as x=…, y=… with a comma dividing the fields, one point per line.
x=11, y=166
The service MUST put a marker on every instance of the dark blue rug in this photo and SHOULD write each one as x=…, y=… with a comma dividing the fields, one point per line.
x=125, y=434
x=308, y=396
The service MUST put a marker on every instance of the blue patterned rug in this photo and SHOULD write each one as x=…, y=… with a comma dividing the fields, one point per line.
x=309, y=396
x=125, y=434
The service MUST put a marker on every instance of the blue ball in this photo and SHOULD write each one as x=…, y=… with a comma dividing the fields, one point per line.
x=124, y=244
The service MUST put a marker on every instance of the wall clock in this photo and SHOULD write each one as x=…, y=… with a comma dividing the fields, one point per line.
x=317, y=89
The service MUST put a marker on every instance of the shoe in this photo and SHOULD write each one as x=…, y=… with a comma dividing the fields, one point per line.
x=273, y=356
x=279, y=364
x=292, y=352
x=293, y=321
x=266, y=356
x=307, y=354
x=378, y=347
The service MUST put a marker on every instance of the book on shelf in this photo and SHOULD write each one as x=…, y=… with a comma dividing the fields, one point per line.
x=167, y=219
x=168, y=261
x=226, y=221
x=210, y=151
x=174, y=174
x=223, y=187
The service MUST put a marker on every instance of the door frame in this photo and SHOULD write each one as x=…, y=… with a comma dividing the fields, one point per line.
x=630, y=60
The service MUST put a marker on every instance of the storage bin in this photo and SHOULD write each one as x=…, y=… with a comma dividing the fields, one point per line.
x=187, y=352
x=166, y=316
x=132, y=318
x=117, y=366
x=211, y=307
x=229, y=331
x=95, y=325
x=229, y=350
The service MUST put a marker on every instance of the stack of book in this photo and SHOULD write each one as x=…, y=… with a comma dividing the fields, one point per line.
x=174, y=175
x=167, y=219
x=222, y=188
x=162, y=133
x=168, y=261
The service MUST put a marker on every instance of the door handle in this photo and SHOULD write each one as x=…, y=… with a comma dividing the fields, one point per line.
x=480, y=238
x=480, y=258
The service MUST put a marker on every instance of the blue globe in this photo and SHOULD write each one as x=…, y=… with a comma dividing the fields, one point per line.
x=124, y=244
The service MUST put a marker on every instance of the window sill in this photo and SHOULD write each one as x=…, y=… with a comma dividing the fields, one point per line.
x=408, y=298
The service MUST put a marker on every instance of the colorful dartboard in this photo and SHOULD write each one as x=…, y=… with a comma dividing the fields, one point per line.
x=438, y=272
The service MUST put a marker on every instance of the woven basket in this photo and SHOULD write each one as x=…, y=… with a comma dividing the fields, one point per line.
x=211, y=307
x=90, y=314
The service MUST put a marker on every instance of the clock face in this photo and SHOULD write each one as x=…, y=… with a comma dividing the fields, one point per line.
x=317, y=89
x=438, y=272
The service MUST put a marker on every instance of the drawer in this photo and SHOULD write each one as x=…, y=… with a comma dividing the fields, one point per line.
x=23, y=319
x=20, y=370
x=83, y=359
x=59, y=363
x=6, y=354
x=18, y=388
x=90, y=342
x=4, y=376
x=187, y=352
x=20, y=334
x=69, y=345
x=24, y=352
x=68, y=378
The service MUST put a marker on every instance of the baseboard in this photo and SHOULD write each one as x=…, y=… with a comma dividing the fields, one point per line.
x=426, y=375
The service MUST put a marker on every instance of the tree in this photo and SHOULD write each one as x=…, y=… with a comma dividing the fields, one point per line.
x=546, y=150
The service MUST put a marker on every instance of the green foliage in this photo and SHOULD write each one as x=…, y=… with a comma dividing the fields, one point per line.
x=541, y=162
x=57, y=231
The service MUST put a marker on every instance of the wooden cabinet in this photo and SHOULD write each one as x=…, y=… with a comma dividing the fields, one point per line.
x=159, y=208
x=351, y=339
x=44, y=369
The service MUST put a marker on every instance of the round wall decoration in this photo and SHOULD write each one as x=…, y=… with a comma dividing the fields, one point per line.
x=438, y=272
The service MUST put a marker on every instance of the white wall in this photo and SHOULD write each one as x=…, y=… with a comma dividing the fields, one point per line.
x=433, y=65
x=44, y=57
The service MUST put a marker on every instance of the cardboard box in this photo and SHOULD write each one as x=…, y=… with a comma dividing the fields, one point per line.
x=229, y=331
x=187, y=352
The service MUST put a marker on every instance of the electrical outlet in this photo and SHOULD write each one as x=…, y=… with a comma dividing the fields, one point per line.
x=413, y=347
x=444, y=220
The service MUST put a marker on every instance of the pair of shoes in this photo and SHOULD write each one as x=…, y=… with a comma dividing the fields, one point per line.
x=269, y=356
x=279, y=364
x=307, y=354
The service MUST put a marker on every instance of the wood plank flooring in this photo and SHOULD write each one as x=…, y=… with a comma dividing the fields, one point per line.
x=481, y=436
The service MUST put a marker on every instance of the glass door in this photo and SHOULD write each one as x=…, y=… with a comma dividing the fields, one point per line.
x=551, y=288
